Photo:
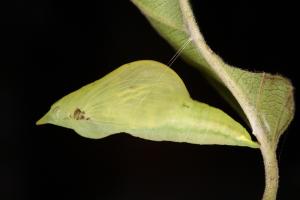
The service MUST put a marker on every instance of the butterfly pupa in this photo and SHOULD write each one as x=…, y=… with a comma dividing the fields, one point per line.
x=145, y=99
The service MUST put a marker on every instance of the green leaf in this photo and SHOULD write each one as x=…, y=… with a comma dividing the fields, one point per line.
x=266, y=101
x=148, y=100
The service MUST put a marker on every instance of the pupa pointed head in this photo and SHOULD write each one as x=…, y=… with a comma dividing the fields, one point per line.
x=62, y=113
x=57, y=115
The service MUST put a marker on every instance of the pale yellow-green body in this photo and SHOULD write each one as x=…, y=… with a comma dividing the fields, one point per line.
x=148, y=100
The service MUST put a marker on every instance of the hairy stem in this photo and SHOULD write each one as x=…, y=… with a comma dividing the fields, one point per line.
x=216, y=63
x=271, y=172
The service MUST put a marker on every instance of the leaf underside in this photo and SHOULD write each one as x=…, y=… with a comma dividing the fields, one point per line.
x=269, y=98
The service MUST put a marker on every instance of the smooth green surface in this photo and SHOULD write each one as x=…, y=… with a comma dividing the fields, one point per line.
x=266, y=100
x=148, y=100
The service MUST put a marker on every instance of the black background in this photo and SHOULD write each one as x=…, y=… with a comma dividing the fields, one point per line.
x=53, y=47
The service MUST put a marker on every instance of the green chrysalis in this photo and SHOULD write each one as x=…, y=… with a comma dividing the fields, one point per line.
x=148, y=100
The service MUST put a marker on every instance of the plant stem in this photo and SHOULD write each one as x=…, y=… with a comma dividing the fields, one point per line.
x=271, y=172
x=218, y=66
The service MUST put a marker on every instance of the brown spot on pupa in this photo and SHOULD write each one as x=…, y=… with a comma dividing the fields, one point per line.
x=132, y=87
x=78, y=114
x=185, y=105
